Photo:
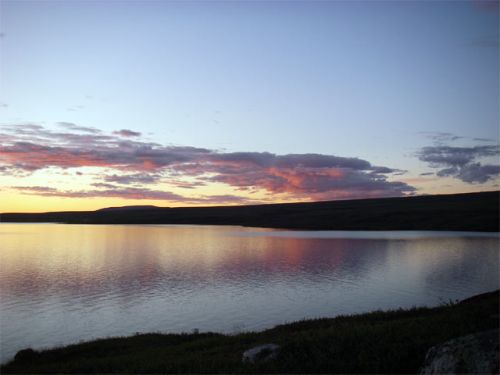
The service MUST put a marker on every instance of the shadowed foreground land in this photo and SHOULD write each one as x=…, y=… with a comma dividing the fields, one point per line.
x=458, y=212
x=377, y=342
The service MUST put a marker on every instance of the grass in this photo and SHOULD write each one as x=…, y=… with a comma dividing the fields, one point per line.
x=377, y=342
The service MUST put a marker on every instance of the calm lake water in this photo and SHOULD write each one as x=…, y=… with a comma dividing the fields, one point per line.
x=61, y=284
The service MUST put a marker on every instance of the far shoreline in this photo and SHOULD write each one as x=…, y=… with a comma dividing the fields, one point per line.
x=470, y=212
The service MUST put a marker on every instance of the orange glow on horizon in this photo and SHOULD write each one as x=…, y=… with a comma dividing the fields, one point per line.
x=16, y=202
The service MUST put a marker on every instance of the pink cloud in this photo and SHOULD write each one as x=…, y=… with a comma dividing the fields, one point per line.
x=112, y=191
x=29, y=147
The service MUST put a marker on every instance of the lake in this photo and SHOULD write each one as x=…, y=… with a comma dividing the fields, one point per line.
x=61, y=284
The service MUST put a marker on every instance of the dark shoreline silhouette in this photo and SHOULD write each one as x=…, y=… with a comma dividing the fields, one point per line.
x=454, y=212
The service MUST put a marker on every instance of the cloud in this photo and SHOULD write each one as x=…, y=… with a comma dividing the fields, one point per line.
x=74, y=127
x=111, y=191
x=138, y=178
x=39, y=190
x=13, y=171
x=127, y=133
x=267, y=159
x=313, y=182
x=474, y=172
x=440, y=137
x=462, y=162
x=75, y=108
x=456, y=156
x=484, y=140
x=104, y=185
x=186, y=184
x=31, y=147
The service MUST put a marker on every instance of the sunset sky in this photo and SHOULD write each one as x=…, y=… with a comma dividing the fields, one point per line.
x=182, y=103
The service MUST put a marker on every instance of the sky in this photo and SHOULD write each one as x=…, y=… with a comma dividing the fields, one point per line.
x=195, y=103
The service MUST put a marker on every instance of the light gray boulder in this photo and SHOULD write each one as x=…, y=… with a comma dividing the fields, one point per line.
x=261, y=353
x=472, y=354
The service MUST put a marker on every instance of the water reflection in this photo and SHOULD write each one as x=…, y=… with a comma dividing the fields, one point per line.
x=62, y=283
x=128, y=270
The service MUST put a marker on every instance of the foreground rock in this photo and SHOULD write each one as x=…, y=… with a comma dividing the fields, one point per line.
x=472, y=354
x=261, y=353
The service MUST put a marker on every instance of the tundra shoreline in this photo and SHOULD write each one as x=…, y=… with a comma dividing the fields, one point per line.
x=378, y=342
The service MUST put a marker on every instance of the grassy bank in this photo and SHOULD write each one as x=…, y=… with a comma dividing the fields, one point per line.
x=377, y=342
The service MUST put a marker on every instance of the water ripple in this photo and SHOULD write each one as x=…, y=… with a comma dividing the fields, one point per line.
x=62, y=284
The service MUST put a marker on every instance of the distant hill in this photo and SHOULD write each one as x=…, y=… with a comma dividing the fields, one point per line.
x=128, y=208
x=456, y=212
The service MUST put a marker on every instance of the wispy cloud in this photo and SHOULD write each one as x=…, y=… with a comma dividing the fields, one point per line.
x=30, y=147
x=490, y=140
x=77, y=128
x=462, y=162
x=111, y=191
x=137, y=178
x=127, y=133
x=128, y=193
x=440, y=137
